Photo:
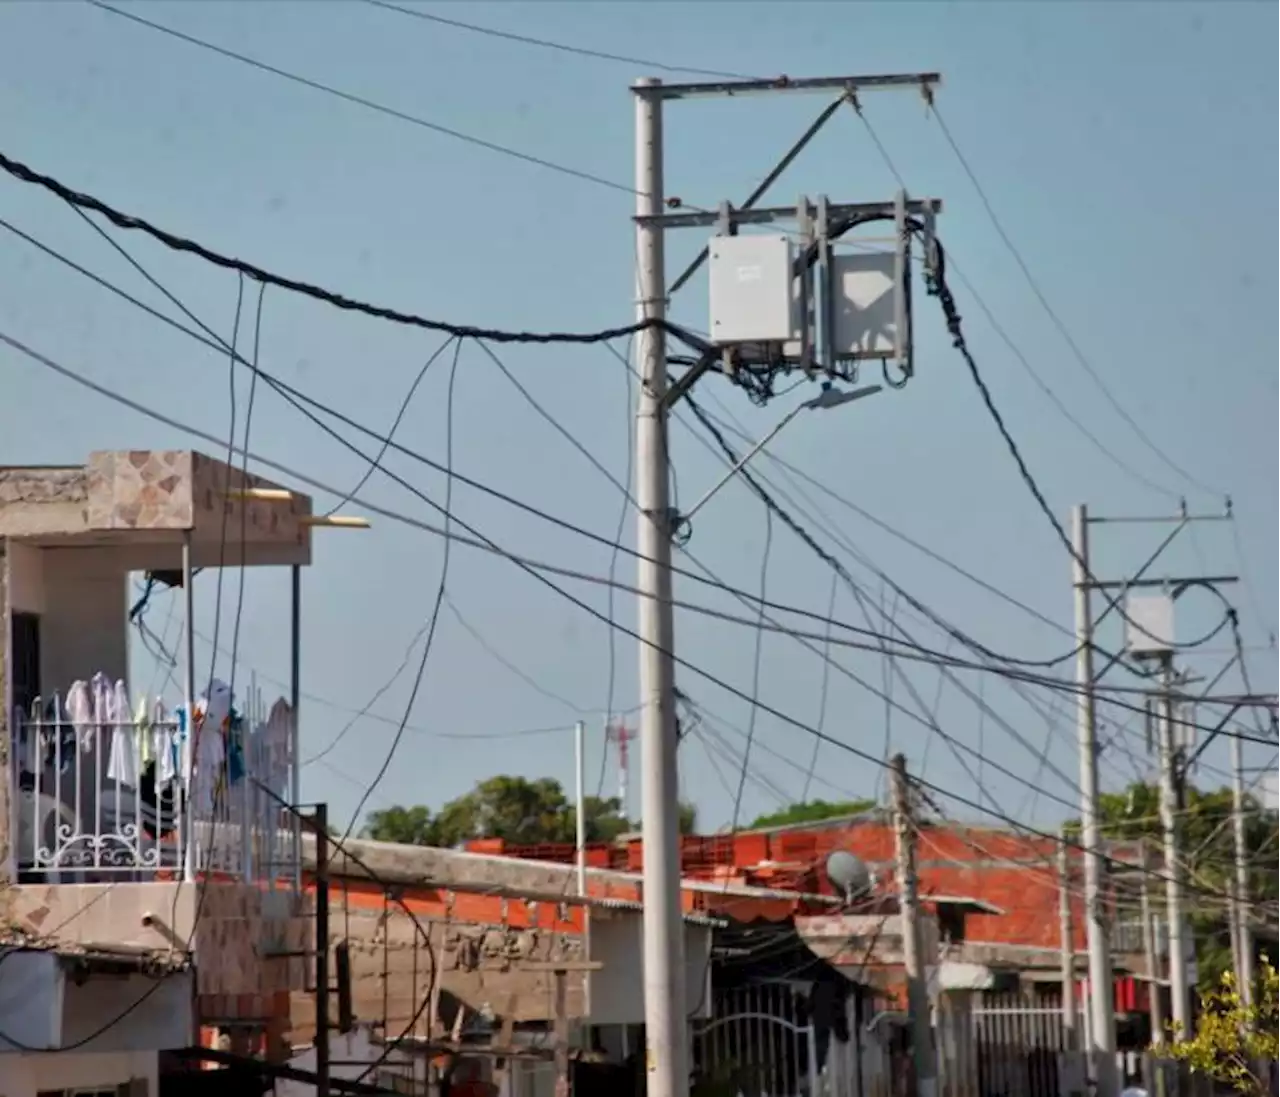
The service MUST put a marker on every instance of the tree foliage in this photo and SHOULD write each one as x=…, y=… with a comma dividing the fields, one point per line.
x=1233, y=1042
x=515, y=809
x=1207, y=840
x=811, y=811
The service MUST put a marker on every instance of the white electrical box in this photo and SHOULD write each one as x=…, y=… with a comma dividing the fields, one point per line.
x=865, y=316
x=1149, y=624
x=753, y=297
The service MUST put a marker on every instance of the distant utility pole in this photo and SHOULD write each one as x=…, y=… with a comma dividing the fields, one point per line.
x=1155, y=987
x=1101, y=1052
x=912, y=947
x=1170, y=818
x=1149, y=637
x=803, y=333
x=1179, y=991
x=1067, y=945
x=1240, y=897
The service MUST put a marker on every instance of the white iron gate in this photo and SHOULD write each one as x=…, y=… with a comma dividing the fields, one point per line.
x=760, y=1042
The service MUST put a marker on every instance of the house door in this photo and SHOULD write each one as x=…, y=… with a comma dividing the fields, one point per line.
x=25, y=648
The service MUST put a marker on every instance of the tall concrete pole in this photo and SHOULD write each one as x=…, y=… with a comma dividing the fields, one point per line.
x=1102, y=1028
x=1179, y=992
x=666, y=1027
x=1240, y=898
x=926, y=1063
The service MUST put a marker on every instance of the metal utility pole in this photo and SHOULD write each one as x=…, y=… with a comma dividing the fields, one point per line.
x=664, y=986
x=1240, y=900
x=1102, y=1027
x=321, y=825
x=1179, y=992
x=912, y=948
x=1154, y=987
x=1067, y=949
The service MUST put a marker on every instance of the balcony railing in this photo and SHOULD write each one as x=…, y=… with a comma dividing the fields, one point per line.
x=108, y=790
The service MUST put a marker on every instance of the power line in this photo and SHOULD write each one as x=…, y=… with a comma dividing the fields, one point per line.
x=294, y=395
x=922, y=655
x=572, y=599
x=1051, y=312
x=362, y=101
x=174, y=242
x=439, y=598
x=1019, y=355
x=939, y=288
x=560, y=47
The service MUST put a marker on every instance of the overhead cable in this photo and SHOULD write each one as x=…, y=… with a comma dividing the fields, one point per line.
x=362, y=101
x=567, y=596
x=337, y=300
x=1054, y=318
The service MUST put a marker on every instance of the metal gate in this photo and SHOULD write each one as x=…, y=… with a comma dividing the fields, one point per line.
x=1020, y=1044
x=759, y=1042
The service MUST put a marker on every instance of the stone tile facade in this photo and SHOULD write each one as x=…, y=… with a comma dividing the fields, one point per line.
x=140, y=489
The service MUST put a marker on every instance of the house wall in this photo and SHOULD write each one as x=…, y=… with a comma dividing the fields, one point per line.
x=153, y=1014
x=47, y=1006
x=30, y=1075
x=26, y=578
x=478, y=959
x=80, y=596
x=617, y=991
x=84, y=621
x=221, y=922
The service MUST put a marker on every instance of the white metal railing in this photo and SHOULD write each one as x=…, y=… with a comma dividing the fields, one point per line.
x=107, y=789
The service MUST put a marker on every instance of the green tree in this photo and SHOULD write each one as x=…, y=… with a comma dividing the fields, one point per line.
x=515, y=809
x=412, y=826
x=1207, y=840
x=811, y=811
x=688, y=818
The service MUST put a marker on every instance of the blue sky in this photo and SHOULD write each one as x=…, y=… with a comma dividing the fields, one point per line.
x=1118, y=143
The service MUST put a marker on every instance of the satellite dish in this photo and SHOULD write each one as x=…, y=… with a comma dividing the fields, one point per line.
x=848, y=875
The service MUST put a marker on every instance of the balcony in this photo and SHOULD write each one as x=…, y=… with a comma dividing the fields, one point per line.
x=111, y=790
x=114, y=801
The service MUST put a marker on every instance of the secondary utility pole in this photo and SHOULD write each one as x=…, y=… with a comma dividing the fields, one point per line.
x=1102, y=1028
x=1179, y=991
x=1154, y=983
x=664, y=984
x=831, y=353
x=1067, y=945
x=1240, y=898
x=1149, y=635
x=912, y=949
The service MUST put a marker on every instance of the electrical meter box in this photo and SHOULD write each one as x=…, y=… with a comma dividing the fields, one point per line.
x=753, y=295
x=1149, y=624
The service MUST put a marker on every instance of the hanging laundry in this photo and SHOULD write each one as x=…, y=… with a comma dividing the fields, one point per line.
x=123, y=765
x=146, y=733
x=80, y=713
x=281, y=743
x=207, y=746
